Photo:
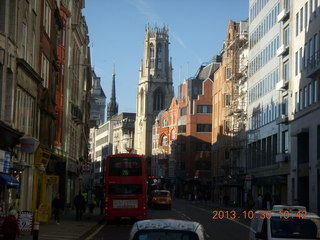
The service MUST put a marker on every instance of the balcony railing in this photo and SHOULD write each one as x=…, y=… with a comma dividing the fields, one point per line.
x=314, y=65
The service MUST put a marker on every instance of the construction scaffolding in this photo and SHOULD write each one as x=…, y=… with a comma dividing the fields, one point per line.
x=236, y=108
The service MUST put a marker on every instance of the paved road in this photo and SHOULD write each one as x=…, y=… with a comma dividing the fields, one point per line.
x=220, y=229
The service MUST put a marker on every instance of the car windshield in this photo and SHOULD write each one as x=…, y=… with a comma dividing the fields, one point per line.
x=308, y=228
x=165, y=235
x=162, y=194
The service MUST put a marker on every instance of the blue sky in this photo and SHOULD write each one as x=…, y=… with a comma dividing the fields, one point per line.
x=197, y=29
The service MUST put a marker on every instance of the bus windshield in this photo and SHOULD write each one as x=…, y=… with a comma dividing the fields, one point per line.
x=125, y=166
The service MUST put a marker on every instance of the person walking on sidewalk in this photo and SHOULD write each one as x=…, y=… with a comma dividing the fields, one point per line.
x=57, y=206
x=10, y=226
x=80, y=205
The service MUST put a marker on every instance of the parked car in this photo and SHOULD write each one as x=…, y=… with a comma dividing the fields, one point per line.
x=285, y=222
x=161, y=198
x=167, y=229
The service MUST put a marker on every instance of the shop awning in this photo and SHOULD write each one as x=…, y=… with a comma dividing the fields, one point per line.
x=8, y=180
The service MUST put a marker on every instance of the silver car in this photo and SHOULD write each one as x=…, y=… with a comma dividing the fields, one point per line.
x=167, y=229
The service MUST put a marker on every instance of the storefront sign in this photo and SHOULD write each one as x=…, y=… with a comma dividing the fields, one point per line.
x=25, y=221
x=43, y=212
x=4, y=161
x=42, y=157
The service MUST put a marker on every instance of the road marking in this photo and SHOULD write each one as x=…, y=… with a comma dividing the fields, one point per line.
x=233, y=220
x=98, y=230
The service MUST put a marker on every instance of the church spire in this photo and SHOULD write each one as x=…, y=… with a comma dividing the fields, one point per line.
x=113, y=105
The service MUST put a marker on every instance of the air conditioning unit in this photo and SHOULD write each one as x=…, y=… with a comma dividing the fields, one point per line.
x=283, y=15
x=282, y=119
x=282, y=50
x=282, y=85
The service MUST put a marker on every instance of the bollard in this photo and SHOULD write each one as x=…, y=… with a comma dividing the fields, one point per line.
x=35, y=231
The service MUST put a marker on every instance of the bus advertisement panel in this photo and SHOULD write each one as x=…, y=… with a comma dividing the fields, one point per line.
x=126, y=195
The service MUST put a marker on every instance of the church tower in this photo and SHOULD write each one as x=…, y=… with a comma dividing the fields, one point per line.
x=112, y=105
x=155, y=88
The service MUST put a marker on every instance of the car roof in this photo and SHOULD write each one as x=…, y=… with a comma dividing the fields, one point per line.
x=167, y=224
x=161, y=190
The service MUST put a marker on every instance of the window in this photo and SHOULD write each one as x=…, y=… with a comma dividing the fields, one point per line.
x=286, y=36
x=183, y=111
x=305, y=55
x=227, y=100
x=306, y=20
x=301, y=19
x=47, y=18
x=165, y=123
x=285, y=106
x=296, y=63
x=301, y=99
x=151, y=51
x=285, y=142
x=297, y=24
x=181, y=128
x=45, y=71
x=204, y=127
x=24, y=40
x=164, y=141
x=296, y=101
x=158, y=100
x=305, y=96
x=310, y=54
x=227, y=126
x=204, y=109
x=316, y=90
x=228, y=73
x=286, y=72
x=310, y=94
x=203, y=146
x=300, y=59
x=311, y=9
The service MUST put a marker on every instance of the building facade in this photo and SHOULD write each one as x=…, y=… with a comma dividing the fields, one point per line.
x=300, y=27
x=228, y=118
x=267, y=174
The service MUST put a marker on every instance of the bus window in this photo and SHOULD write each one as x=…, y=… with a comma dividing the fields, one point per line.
x=125, y=166
x=124, y=189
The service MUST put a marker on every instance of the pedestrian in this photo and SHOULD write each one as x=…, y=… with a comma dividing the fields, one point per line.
x=80, y=205
x=57, y=206
x=10, y=226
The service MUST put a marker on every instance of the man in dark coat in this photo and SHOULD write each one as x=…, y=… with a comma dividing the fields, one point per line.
x=57, y=206
x=80, y=204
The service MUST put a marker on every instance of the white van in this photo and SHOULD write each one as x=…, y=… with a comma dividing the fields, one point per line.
x=285, y=222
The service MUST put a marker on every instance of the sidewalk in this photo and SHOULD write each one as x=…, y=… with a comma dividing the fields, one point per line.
x=69, y=228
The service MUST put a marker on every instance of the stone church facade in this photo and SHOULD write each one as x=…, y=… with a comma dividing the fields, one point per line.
x=155, y=88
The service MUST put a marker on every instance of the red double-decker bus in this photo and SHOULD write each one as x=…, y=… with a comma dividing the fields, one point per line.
x=126, y=189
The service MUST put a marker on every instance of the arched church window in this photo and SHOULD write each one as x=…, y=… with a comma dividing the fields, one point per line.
x=159, y=65
x=159, y=50
x=158, y=100
x=151, y=63
x=151, y=50
x=165, y=123
x=164, y=141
